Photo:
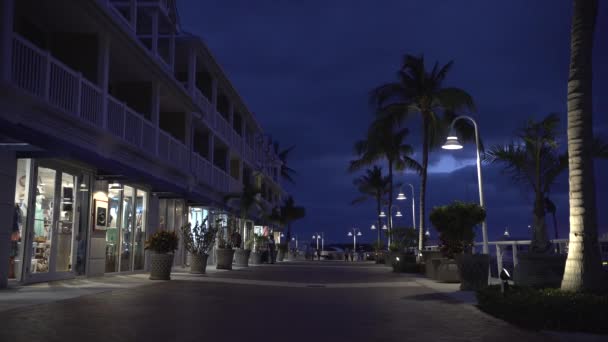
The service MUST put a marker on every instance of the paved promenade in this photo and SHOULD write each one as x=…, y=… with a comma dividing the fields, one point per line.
x=289, y=302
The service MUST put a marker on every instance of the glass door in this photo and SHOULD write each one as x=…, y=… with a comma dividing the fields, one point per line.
x=54, y=220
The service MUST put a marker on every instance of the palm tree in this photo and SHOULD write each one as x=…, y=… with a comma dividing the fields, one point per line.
x=286, y=172
x=373, y=185
x=286, y=214
x=535, y=162
x=248, y=200
x=418, y=91
x=583, y=267
x=383, y=142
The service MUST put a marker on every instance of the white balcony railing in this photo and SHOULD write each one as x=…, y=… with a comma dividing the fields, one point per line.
x=37, y=72
x=220, y=179
x=203, y=170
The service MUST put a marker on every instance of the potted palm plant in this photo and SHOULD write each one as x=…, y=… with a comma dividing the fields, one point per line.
x=224, y=251
x=162, y=245
x=455, y=223
x=198, y=241
x=259, y=245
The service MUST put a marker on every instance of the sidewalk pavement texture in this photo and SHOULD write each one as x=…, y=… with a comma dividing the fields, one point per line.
x=295, y=301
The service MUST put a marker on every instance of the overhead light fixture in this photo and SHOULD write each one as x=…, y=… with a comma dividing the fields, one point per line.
x=401, y=196
x=452, y=143
x=83, y=187
x=382, y=214
x=398, y=214
x=115, y=186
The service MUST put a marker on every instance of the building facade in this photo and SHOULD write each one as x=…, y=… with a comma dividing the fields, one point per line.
x=114, y=122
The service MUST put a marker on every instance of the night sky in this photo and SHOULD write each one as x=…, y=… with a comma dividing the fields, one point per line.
x=305, y=68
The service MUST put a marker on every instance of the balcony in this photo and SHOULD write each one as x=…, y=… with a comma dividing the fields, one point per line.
x=221, y=179
x=202, y=170
x=38, y=73
x=222, y=127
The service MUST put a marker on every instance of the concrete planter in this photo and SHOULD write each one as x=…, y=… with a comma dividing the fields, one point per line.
x=473, y=270
x=539, y=270
x=160, y=266
x=430, y=269
x=225, y=256
x=405, y=264
x=447, y=271
x=198, y=263
x=255, y=258
x=241, y=257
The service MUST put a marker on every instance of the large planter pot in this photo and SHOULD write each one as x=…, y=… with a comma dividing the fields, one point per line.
x=241, y=257
x=405, y=263
x=160, y=266
x=473, y=270
x=539, y=270
x=430, y=268
x=255, y=258
x=225, y=256
x=198, y=263
x=447, y=271
x=281, y=255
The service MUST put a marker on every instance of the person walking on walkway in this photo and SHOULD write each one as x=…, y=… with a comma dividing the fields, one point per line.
x=271, y=248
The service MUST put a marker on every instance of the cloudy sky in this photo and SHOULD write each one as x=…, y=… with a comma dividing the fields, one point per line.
x=306, y=68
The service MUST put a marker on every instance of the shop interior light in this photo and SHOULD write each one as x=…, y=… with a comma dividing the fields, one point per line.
x=115, y=186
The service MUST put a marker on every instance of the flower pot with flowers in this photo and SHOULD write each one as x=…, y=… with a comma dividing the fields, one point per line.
x=198, y=241
x=162, y=245
x=455, y=223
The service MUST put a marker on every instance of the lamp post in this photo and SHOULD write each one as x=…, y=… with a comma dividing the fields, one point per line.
x=452, y=143
x=318, y=236
x=295, y=238
x=390, y=218
x=354, y=233
x=401, y=197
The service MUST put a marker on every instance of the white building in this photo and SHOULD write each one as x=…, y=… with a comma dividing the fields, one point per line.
x=108, y=107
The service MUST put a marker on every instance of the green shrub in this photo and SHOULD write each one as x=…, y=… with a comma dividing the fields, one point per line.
x=547, y=309
x=455, y=223
x=162, y=242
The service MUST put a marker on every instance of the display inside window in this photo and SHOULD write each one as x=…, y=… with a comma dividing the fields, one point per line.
x=127, y=228
x=114, y=198
x=65, y=224
x=43, y=220
x=140, y=229
x=22, y=190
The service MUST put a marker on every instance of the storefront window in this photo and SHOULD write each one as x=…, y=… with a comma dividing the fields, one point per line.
x=82, y=192
x=43, y=220
x=127, y=228
x=112, y=230
x=22, y=191
x=65, y=224
x=140, y=229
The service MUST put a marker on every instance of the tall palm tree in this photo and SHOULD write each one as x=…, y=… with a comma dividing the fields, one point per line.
x=583, y=267
x=284, y=215
x=373, y=185
x=286, y=172
x=384, y=142
x=421, y=92
x=535, y=161
x=248, y=200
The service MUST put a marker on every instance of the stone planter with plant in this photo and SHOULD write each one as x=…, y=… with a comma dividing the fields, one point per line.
x=402, y=256
x=282, y=251
x=455, y=223
x=224, y=251
x=242, y=255
x=198, y=241
x=259, y=244
x=162, y=246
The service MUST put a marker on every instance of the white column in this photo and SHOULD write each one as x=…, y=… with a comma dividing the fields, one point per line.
x=7, y=11
x=133, y=14
x=155, y=33
x=156, y=111
x=8, y=171
x=103, y=74
x=191, y=71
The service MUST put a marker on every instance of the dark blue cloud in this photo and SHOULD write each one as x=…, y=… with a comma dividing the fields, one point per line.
x=306, y=67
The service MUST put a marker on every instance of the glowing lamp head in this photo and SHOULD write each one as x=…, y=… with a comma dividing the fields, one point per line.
x=401, y=196
x=452, y=143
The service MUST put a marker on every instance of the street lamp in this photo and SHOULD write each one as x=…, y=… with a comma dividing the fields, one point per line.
x=295, y=238
x=354, y=233
x=452, y=143
x=390, y=219
x=506, y=234
x=401, y=197
x=319, y=236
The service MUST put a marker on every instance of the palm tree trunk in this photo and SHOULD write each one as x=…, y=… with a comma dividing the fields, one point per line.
x=540, y=240
x=583, y=267
x=425, y=163
x=390, y=199
x=379, y=227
